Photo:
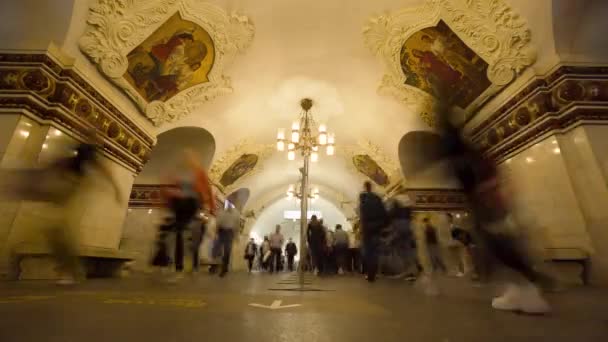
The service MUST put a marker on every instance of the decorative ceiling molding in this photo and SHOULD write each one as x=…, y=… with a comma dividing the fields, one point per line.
x=366, y=147
x=116, y=27
x=491, y=29
x=437, y=199
x=149, y=196
x=558, y=102
x=49, y=91
x=262, y=151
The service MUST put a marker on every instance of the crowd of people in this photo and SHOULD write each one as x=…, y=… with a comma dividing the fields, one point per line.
x=383, y=230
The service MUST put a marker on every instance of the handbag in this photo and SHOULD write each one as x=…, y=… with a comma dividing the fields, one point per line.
x=267, y=255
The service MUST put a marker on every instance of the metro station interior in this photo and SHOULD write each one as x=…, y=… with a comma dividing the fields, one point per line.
x=275, y=111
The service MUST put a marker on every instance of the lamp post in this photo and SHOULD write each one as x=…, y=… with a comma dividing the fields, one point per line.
x=304, y=140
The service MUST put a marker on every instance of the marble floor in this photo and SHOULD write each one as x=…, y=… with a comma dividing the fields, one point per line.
x=257, y=307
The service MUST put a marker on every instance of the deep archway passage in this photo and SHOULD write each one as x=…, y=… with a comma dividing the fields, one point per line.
x=168, y=154
x=239, y=198
x=420, y=156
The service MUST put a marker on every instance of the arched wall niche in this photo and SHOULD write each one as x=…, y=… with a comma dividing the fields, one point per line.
x=577, y=27
x=34, y=24
x=420, y=159
x=168, y=154
x=239, y=198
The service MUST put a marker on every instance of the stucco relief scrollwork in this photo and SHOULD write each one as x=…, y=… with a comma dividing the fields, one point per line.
x=366, y=147
x=223, y=163
x=490, y=28
x=116, y=27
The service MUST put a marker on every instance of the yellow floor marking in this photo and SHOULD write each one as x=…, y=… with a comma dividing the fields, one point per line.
x=20, y=299
x=185, y=303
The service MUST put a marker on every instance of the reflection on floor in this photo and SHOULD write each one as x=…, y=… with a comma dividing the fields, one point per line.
x=241, y=308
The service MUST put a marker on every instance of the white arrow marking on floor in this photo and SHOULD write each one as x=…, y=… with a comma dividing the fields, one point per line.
x=275, y=305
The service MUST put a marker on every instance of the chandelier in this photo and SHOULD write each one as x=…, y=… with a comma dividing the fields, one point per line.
x=305, y=139
x=302, y=137
x=295, y=191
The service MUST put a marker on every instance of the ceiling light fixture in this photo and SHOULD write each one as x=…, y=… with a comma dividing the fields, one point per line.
x=303, y=139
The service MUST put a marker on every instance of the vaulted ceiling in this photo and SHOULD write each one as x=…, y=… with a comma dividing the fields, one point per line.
x=303, y=49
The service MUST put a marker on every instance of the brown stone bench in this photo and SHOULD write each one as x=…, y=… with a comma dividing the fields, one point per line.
x=97, y=262
x=571, y=255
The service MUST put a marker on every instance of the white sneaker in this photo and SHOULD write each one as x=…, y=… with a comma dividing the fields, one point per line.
x=66, y=281
x=510, y=300
x=459, y=274
x=532, y=302
x=398, y=276
x=316, y=272
x=341, y=272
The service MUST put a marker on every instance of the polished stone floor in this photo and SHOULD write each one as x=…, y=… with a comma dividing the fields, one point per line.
x=207, y=308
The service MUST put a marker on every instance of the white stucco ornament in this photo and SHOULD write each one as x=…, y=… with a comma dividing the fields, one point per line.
x=116, y=27
x=490, y=28
x=365, y=147
x=228, y=157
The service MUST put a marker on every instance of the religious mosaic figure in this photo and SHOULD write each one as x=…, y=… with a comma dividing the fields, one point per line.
x=435, y=58
x=239, y=168
x=167, y=63
x=367, y=166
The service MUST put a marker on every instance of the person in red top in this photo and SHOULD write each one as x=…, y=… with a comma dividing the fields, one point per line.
x=184, y=197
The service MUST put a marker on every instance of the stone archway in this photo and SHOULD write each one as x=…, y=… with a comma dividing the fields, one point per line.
x=239, y=198
x=168, y=152
x=145, y=207
x=574, y=25
x=420, y=158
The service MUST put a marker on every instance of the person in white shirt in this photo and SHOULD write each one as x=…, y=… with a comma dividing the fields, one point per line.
x=276, y=245
x=340, y=248
x=354, y=252
x=228, y=221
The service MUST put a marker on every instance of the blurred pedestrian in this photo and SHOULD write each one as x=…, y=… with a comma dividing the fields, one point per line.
x=495, y=223
x=228, y=222
x=250, y=252
x=276, y=246
x=432, y=246
x=374, y=219
x=454, y=249
x=316, y=244
x=330, y=256
x=190, y=191
x=60, y=184
x=291, y=250
x=341, y=248
x=354, y=250
x=400, y=215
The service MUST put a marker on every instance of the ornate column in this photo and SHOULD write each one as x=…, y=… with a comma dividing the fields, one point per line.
x=45, y=106
x=550, y=140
